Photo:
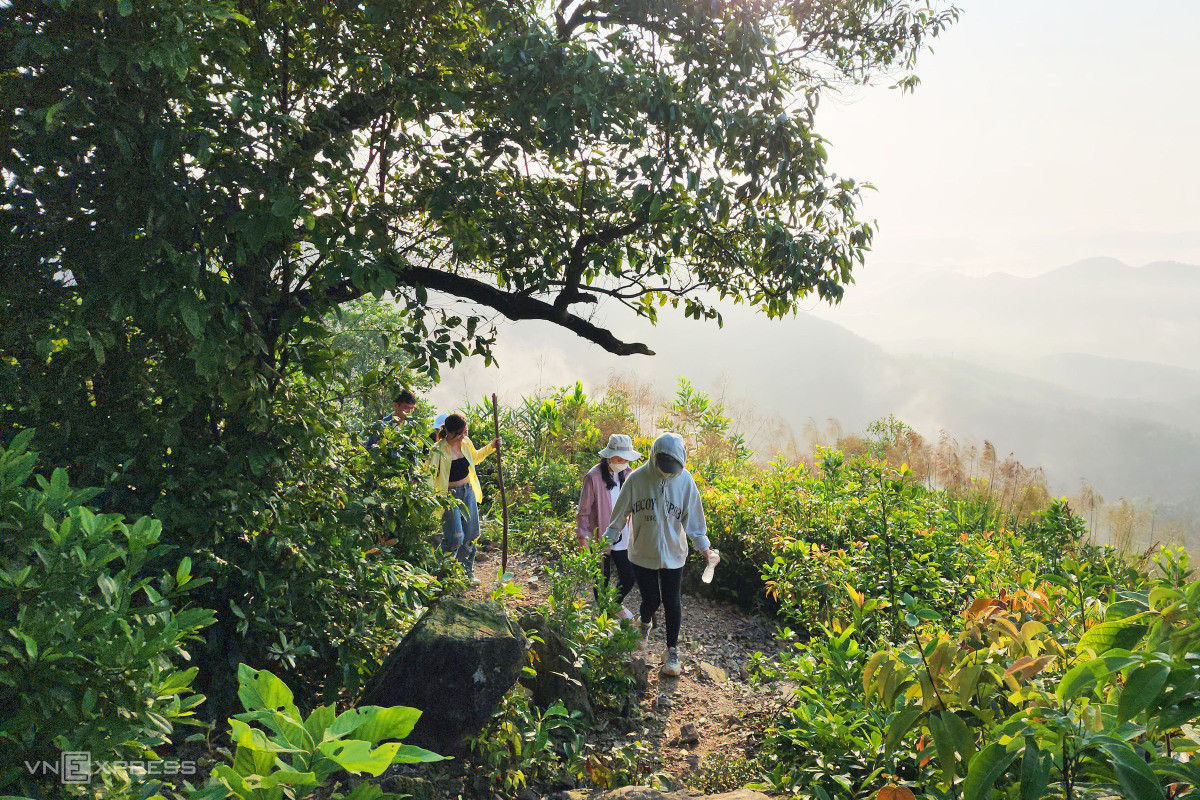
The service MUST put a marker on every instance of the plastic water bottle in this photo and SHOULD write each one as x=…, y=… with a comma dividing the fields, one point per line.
x=714, y=558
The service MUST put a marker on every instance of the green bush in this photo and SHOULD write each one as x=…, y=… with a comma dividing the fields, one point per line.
x=1085, y=684
x=277, y=749
x=827, y=743
x=93, y=635
x=749, y=511
x=588, y=622
x=319, y=581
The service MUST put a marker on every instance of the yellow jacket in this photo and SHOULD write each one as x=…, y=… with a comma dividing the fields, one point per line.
x=440, y=458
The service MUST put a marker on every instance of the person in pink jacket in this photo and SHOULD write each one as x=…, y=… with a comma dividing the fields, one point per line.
x=600, y=488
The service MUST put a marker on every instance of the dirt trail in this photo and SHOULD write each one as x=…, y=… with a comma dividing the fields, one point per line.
x=706, y=719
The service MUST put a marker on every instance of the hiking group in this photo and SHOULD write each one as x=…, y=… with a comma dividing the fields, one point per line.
x=643, y=516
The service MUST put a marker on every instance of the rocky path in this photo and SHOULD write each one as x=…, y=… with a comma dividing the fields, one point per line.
x=700, y=726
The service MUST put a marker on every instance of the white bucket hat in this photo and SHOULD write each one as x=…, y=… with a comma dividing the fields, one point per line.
x=621, y=446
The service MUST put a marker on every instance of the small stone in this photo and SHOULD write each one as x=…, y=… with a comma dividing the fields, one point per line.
x=713, y=672
x=688, y=735
x=693, y=760
x=527, y=794
x=663, y=701
x=640, y=668
x=533, y=580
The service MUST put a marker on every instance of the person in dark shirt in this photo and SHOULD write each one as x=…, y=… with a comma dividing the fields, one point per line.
x=402, y=406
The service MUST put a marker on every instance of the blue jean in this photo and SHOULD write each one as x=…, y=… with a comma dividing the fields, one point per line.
x=460, y=529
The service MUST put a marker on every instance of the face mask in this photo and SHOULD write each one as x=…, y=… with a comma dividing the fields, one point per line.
x=667, y=465
x=617, y=465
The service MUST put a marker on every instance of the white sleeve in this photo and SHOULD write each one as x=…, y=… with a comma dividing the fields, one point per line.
x=694, y=524
x=620, y=510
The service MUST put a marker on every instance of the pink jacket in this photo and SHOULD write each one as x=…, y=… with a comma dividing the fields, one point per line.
x=595, y=505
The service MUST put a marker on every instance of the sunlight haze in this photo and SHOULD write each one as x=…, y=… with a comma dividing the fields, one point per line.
x=1047, y=158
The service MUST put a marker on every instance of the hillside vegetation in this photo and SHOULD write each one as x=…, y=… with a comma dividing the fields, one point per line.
x=945, y=641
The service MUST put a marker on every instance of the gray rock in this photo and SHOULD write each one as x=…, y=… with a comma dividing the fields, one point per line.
x=455, y=665
x=641, y=671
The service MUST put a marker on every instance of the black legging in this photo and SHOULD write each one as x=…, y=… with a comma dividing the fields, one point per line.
x=670, y=582
x=620, y=560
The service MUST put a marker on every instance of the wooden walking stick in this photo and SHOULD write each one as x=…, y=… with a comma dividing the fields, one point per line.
x=500, y=481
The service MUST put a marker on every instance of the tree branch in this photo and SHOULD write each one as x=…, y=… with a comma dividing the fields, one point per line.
x=511, y=304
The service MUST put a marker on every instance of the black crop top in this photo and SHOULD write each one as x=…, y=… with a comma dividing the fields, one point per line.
x=459, y=469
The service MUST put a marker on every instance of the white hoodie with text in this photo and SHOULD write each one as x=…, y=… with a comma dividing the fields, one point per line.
x=662, y=509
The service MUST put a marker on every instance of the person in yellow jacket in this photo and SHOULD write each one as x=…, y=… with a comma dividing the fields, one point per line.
x=452, y=463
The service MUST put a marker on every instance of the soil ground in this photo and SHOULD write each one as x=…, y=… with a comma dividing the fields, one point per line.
x=713, y=695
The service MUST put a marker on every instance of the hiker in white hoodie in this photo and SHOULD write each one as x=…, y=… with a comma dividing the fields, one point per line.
x=662, y=503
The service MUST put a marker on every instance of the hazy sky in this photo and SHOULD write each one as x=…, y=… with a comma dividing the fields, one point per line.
x=1044, y=132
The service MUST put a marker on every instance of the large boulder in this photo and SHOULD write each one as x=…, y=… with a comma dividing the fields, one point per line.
x=455, y=665
x=558, y=675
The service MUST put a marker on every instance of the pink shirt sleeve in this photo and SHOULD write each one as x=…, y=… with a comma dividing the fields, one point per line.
x=586, y=518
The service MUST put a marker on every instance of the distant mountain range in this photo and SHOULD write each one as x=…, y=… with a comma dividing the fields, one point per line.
x=1098, y=307
x=1089, y=371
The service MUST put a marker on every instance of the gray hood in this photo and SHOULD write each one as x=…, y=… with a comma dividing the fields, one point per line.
x=663, y=511
x=672, y=445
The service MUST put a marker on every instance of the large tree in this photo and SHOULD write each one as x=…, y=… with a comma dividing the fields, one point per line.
x=191, y=187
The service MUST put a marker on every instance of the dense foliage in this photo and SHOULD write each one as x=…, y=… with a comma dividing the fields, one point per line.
x=931, y=655
x=939, y=643
x=95, y=645
x=194, y=192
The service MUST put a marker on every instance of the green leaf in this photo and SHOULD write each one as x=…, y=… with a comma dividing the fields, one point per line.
x=411, y=754
x=385, y=723
x=1035, y=771
x=1143, y=685
x=319, y=721
x=280, y=777
x=1080, y=677
x=901, y=724
x=124, y=7
x=259, y=689
x=944, y=744
x=1174, y=716
x=365, y=791
x=177, y=682
x=249, y=761
x=963, y=738
x=357, y=756
x=1117, y=633
x=253, y=739
x=183, y=573
x=227, y=775
x=189, y=312
x=986, y=768
x=1133, y=773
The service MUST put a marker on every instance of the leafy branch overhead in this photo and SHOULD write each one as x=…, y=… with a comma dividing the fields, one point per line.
x=248, y=165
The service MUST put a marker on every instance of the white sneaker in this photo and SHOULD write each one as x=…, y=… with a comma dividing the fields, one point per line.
x=644, y=631
x=671, y=667
x=624, y=613
x=475, y=581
